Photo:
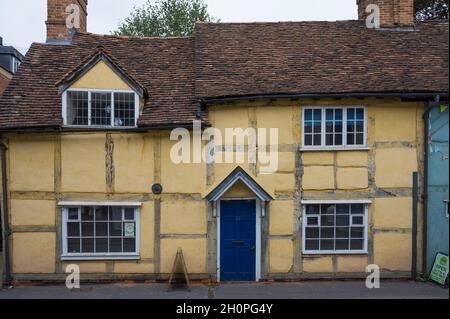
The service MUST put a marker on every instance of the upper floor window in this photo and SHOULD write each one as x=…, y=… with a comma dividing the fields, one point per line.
x=334, y=127
x=100, y=108
x=15, y=63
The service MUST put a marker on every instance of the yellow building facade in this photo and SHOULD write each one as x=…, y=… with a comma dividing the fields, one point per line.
x=46, y=171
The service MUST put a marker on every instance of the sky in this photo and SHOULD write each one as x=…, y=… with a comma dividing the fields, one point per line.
x=23, y=21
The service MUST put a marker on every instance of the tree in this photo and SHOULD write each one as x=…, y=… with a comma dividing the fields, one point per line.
x=431, y=9
x=165, y=18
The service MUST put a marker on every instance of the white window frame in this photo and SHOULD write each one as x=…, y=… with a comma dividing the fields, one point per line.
x=99, y=256
x=344, y=145
x=90, y=91
x=365, y=249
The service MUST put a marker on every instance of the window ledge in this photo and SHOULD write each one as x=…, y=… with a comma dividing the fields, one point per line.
x=325, y=253
x=100, y=257
x=334, y=149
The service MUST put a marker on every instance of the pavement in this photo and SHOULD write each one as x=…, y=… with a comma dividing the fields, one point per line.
x=300, y=290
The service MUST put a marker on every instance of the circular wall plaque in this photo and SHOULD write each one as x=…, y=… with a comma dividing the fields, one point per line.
x=157, y=189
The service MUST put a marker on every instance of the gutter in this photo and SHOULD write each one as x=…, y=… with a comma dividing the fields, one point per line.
x=406, y=95
x=5, y=220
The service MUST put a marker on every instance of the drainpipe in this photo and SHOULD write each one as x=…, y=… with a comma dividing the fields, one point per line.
x=414, y=226
x=5, y=221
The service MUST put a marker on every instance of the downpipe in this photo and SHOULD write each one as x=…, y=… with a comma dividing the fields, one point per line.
x=5, y=219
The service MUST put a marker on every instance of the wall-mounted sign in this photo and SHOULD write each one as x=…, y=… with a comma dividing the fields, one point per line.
x=439, y=272
x=129, y=230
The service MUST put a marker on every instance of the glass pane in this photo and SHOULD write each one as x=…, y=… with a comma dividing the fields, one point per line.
x=342, y=220
x=100, y=108
x=115, y=213
x=73, y=229
x=357, y=244
x=350, y=139
x=317, y=139
x=327, y=220
x=129, y=213
x=87, y=229
x=101, y=213
x=313, y=221
x=327, y=209
x=115, y=229
x=73, y=213
x=327, y=232
x=312, y=232
x=357, y=232
x=329, y=140
x=360, y=114
x=342, y=244
x=330, y=116
x=308, y=140
x=357, y=220
x=115, y=245
x=101, y=245
x=124, y=109
x=312, y=245
x=73, y=245
x=327, y=244
x=312, y=209
x=77, y=108
x=360, y=139
x=342, y=232
x=87, y=213
x=308, y=127
x=129, y=245
x=308, y=115
x=350, y=114
x=317, y=115
x=357, y=209
x=87, y=245
x=338, y=139
x=343, y=209
x=101, y=229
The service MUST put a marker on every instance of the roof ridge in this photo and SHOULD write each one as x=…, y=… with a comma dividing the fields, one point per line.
x=131, y=37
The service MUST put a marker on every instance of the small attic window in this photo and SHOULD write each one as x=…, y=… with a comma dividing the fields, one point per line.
x=99, y=108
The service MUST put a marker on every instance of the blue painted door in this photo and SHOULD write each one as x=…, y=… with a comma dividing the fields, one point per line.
x=237, y=240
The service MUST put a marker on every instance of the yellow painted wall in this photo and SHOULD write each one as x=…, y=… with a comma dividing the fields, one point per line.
x=33, y=253
x=183, y=217
x=83, y=163
x=31, y=163
x=194, y=252
x=101, y=77
x=139, y=162
x=133, y=163
x=33, y=212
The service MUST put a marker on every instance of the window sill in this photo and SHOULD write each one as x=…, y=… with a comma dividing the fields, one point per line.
x=316, y=254
x=334, y=149
x=99, y=257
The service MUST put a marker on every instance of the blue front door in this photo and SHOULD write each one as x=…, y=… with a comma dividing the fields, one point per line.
x=237, y=240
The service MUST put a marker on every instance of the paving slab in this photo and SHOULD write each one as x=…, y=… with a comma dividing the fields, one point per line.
x=267, y=291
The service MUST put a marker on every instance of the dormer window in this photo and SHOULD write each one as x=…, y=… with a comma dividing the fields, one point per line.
x=100, y=93
x=100, y=108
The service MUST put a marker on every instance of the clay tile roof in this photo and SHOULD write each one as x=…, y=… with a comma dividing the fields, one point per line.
x=100, y=53
x=235, y=59
x=240, y=59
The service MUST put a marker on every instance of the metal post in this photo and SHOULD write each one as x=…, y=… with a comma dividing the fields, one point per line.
x=414, y=226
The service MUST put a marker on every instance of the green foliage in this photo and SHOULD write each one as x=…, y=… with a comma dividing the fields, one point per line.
x=165, y=18
x=431, y=9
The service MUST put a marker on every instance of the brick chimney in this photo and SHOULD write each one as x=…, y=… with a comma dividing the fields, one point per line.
x=393, y=13
x=57, y=13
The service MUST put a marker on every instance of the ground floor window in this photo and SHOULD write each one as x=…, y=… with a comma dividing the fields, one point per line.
x=100, y=231
x=330, y=228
